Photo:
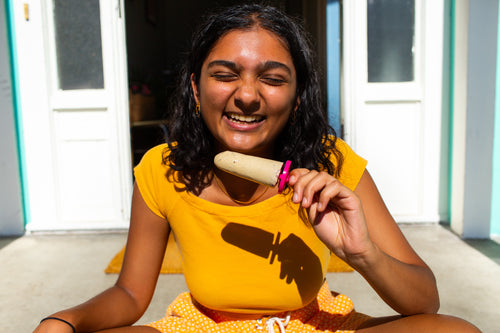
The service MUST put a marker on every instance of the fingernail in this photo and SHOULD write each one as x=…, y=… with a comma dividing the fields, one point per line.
x=304, y=201
x=295, y=198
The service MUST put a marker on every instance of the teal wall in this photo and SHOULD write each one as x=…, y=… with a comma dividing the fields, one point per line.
x=495, y=197
x=11, y=196
x=451, y=69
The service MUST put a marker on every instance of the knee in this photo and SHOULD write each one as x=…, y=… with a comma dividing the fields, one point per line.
x=461, y=325
x=419, y=323
x=455, y=324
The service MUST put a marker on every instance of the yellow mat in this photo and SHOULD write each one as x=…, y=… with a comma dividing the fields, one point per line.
x=172, y=262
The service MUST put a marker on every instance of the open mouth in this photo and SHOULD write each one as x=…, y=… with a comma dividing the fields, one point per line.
x=244, y=119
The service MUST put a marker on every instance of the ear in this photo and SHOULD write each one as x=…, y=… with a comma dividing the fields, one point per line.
x=297, y=103
x=195, y=88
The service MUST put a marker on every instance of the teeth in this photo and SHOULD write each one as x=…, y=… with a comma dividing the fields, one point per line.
x=243, y=118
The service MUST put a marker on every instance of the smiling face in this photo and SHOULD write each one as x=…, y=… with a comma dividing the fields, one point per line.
x=247, y=90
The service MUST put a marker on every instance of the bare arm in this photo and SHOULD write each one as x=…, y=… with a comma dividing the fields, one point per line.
x=374, y=245
x=394, y=270
x=125, y=302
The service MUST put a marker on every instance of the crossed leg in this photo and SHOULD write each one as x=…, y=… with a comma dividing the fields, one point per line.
x=418, y=323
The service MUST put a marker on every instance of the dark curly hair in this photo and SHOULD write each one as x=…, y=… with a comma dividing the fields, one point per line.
x=307, y=140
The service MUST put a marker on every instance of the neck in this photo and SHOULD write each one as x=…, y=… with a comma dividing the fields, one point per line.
x=239, y=190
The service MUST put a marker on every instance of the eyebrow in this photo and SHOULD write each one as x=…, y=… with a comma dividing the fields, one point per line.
x=276, y=64
x=265, y=66
x=225, y=63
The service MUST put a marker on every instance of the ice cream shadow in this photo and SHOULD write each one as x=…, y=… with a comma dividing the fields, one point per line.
x=298, y=262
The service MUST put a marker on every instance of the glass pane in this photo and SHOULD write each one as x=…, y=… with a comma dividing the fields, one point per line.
x=391, y=31
x=78, y=44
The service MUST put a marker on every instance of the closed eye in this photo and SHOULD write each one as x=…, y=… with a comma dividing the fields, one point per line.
x=224, y=77
x=272, y=80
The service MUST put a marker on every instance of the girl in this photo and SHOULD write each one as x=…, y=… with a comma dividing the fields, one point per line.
x=254, y=259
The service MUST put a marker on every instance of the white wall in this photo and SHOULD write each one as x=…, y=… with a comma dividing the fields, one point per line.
x=11, y=213
x=473, y=116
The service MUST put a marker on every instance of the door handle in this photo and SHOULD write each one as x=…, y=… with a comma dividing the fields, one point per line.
x=26, y=12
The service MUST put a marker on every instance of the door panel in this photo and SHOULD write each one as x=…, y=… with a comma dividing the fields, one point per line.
x=394, y=160
x=391, y=40
x=78, y=44
x=87, y=171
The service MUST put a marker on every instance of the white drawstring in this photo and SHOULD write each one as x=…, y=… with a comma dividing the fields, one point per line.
x=281, y=322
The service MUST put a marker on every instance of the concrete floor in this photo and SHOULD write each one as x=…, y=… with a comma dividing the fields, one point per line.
x=40, y=274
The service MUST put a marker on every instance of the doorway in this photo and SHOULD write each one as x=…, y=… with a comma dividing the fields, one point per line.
x=81, y=131
x=157, y=35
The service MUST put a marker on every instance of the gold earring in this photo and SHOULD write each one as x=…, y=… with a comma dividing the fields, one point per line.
x=293, y=117
x=198, y=110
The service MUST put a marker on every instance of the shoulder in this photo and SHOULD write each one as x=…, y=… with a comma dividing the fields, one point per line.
x=154, y=159
x=154, y=163
x=152, y=179
x=348, y=153
x=156, y=153
x=353, y=165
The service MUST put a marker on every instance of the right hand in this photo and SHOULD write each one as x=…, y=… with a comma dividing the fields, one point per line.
x=335, y=212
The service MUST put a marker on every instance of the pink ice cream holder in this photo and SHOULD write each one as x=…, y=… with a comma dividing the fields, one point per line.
x=284, y=175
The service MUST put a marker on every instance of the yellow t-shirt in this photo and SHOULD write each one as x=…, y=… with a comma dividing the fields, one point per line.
x=261, y=258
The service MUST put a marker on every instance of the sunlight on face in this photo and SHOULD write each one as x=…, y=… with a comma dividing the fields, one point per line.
x=247, y=89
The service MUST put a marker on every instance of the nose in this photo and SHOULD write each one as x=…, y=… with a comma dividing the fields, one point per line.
x=247, y=96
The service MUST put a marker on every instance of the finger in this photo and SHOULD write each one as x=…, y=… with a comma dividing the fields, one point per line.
x=313, y=213
x=301, y=179
x=309, y=185
x=295, y=174
x=315, y=185
x=340, y=196
x=330, y=193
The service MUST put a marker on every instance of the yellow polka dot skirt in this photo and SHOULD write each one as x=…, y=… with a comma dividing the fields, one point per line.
x=330, y=312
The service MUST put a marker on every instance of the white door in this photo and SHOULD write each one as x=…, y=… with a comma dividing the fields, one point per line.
x=74, y=112
x=393, y=106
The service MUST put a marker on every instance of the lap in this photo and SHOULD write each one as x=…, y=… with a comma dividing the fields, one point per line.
x=417, y=323
x=330, y=312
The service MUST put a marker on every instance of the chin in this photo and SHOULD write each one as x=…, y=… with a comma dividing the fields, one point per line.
x=249, y=147
x=255, y=151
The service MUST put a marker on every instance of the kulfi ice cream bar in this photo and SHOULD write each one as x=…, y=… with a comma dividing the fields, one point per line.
x=253, y=168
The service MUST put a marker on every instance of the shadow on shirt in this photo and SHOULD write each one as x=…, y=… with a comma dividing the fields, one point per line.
x=298, y=262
